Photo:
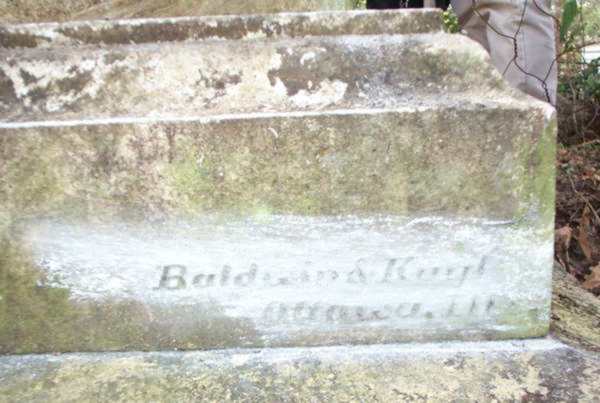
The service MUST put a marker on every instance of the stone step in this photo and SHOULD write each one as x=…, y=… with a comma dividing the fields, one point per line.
x=223, y=65
x=405, y=195
x=118, y=234
x=66, y=10
x=539, y=370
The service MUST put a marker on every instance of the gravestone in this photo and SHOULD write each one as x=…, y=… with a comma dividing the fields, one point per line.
x=264, y=181
x=308, y=180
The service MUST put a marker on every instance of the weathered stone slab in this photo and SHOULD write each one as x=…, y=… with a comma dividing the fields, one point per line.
x=322, y=197
x=223, y=65
x=575, y=312
x=86, y=184
x=44, y=10
x=532, y=370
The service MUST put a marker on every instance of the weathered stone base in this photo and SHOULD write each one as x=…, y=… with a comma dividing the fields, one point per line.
x=65, y=10
x=531, y=370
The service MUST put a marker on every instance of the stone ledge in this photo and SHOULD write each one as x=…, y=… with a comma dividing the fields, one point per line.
x=48, y=10
x=316, y=165
x=235, y=27
x=541, y=369
x=292, y=62
x=575, y=312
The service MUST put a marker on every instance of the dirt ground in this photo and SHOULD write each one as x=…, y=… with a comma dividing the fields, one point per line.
x=578, y=193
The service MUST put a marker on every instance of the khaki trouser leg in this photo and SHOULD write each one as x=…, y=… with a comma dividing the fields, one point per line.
x=494, y=24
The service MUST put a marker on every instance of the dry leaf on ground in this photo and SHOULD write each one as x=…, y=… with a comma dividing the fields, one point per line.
x=563, y=241
x=584, y=234
x=592, y=281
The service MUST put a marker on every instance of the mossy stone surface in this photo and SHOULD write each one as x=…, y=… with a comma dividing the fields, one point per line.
x=447, y=161
x=35, y=317
x=494, y=371
x=46, y=10
x=392, y=163
x=264, y=180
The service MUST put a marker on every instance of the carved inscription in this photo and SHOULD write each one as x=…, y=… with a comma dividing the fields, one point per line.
x=391, y=275
x=301, y=279
x=176, y=277
x=281, y=312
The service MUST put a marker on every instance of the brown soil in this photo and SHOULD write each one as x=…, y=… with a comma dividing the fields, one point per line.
x=577, y=239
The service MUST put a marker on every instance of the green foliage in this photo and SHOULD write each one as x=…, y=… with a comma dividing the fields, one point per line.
x=360, y=4
x=579, y=79
x=592, y=26
x=587, y=83
x=569, y=12
x=450, y=21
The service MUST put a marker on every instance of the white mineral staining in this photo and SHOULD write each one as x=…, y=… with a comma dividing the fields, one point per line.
x=253, y=35
x=328, y=93
x=281, y=270
x=64, y=83
x=307, y=57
